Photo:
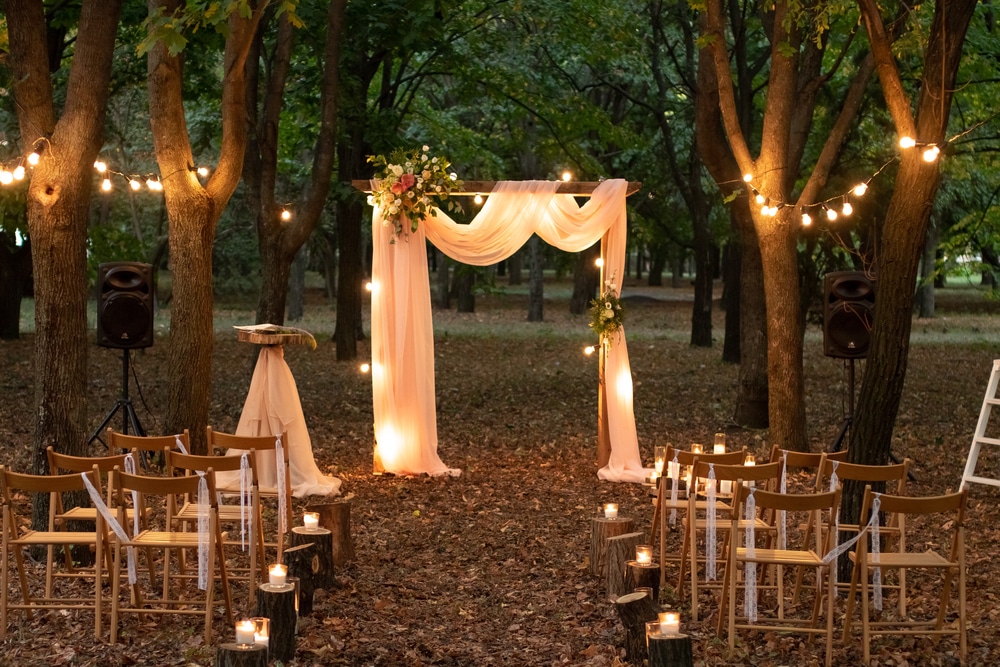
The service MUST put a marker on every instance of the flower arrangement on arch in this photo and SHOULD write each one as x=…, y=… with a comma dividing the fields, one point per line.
x=606, y=312
x=411, y=185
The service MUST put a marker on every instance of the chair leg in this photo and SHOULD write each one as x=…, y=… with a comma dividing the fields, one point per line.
x=849, y=612
x=116, y=579
x=98, y=576
x=23, y=577
x=865, y=618
x=831, y=588
x=963, y=648
x=224, y=578
x=4, y=581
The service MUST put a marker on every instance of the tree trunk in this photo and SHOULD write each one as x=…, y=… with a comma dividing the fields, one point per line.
x=465, y=280
x=514, y=273
x=15, y=275
x=297, y=285
x=732, y=267
x=536, y=289
x=701, y=312
x=751, y=409
x=657, y=263
x=442, y=293
x=586, y=279
x=927, y=266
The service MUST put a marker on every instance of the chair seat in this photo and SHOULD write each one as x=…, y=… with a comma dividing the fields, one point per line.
x=189, y=512
x=87, y=514
x=724, y=525
x=167, y=538
x=781, y=557
x=908, y=559
x=60, y=537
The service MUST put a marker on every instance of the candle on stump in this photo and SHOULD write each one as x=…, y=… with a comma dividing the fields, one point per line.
x=611, y=510
x=244, y=632
x=311, y=520
x=720, y=444
x=262, y=629
x=644, y=554
x=670, y=623
x=652, y=630
x=653, y=476
x=276, y=574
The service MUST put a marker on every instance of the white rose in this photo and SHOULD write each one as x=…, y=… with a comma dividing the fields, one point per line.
x=607, y=315
x=426, y=148
x=607, y=305
x=423, y=158
x=454, y=176
x=434, y=160
x=437, y=188
x=371, y=200
x=396, y=169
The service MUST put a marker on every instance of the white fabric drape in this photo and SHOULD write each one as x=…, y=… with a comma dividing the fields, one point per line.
x=402, y=331
x=272, y=407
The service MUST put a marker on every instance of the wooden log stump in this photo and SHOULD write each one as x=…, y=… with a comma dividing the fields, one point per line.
x=241, y=655
x=312, y=564
x=670, y=651
x=335, y=516
x=278, y=604
x=634, y=610
x=643, y=575
x=600, y=530
x=621, y=549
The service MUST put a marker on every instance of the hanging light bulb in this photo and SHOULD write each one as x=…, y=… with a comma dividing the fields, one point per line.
x=907, y=142
x=806, y=220
x=747, y=178
x=101, y=167
x=589, y=350
x=153, y=183
x=478, y=199
x=106, y=185
x=134, y=184
x=860, y=189
x=759, y=198
x=203, y=171
x=19, y=173
x=931, y=154
x=847, y=209
x=6, y=178
x=33, y=158
x=831, y=214
x=599, y=262
x=286, y=215
x=567, y=176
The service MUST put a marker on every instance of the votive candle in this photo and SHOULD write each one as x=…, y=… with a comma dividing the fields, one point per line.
x=310, y=520
x=670, y=623
x=720, y=443
x=696, y=448
x=262, y=630
x=276, y=574
x=244, y=632
x=611, y=511
x=644, y=554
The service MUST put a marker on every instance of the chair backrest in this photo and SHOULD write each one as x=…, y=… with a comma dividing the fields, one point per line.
x=104, y=464
x=896, y=472
x=821, y=509
x=178, y=462
x=12, y=483
x=146, y=443
x=902, y=507
x=763, y=472
x=124, y=483
x=811, y=460
x=687, y=458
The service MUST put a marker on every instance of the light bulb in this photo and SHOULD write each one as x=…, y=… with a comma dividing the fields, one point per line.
x=6, y=177
x=567, y=176
x=760, y=199
x=364, y=368
x=18, y=173
x=101, y=167
x=203, y=171
x=152, y=183
x=33, y=158
x=831, y=215
x=806, y=220
x=907, y=142
x=931, y=154
x=747, y=178
x=134, y=184
x=478, y=199
x=589, y=350
x=599, y=262
x=369, y=286
x=106, y=185
x=847, y=209
x=860, y=189
x=286, y=215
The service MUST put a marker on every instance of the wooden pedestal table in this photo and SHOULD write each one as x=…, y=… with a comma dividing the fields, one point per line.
x=635, y=610
x=241, y=655
x=600, y=530
x=670, y=651
x=621, y=549
x=643, y=575
x=312, y=564
x=335, y=516
x=278, y=604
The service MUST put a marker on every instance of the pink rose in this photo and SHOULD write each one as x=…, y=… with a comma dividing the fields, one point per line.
x=407, y=180
x=398, y=187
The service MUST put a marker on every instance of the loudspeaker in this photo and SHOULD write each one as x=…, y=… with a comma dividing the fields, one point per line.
x=848, y=313
x=125, y=305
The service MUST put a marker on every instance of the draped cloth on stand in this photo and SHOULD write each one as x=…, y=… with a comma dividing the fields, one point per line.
x=402, y=331
x=272, y=407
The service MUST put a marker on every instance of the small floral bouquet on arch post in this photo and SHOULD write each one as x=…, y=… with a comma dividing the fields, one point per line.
x=411, y=185
x=606, y=312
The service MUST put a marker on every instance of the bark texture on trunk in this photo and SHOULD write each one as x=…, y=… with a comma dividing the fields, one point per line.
x=586, y=279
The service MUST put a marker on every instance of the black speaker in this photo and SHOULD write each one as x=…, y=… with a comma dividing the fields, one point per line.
x=125, y=305
x=848, y=313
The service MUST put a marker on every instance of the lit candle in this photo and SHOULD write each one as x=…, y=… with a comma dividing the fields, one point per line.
x=659, y=458
x=644, y=554
x=658, y=466
x=611, y=511
x=262, y=629
x=720, y=443
x=749, y=461
x=310, y=520
x=244, y=632
x=276, y=574
x=726, y=487
x=696, y=448
x=653, y=476
x=670, y=623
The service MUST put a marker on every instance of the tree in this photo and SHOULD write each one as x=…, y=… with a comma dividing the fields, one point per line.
x=280, y=240
x=906, y=220
x=193, y=210
x=57, y=200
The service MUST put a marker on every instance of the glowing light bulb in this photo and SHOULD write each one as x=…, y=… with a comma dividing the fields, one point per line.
x=152, y=183
x=6, y=177
x=806, y=220
x=931, y=154
x=364, y=368
x=831, y=215
x=203, y=171
x=478, y=199
x=599, y=262
x=747, y=178
x=134, y=184
x=18, y=173
x=760, y=199
x=589, y=350
x=101, y=167
x=369, y=286
x=33, y=158
x=567, y=176
x=907, y=142
x=860, y=189
x=106, y=185
x=286, y=215
x=847, y=209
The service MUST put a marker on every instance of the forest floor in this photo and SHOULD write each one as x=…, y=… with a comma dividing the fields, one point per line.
x=491, y=567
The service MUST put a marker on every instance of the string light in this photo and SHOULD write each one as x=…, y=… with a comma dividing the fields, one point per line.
x=907, y=142
x=478, y=199
x=860, y=189
x=806, y=220
x=589, y=350
x=931, y=153
x=847, y=209
x=831, y=214
x=567, y=176
x=599, y=262
x=286, y=215
x=33, y=158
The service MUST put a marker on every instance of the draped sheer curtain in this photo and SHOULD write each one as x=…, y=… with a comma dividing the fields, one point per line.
x=402, y=330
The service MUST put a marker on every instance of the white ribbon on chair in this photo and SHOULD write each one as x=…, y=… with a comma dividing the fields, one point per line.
x=836, y=524
x=131, y=469
x=782, y=523
x=203, y=528
x=675, y=472
x=246, y=482
x=873, y=527
x=710, y=525
x=750, y=567
x=180, y=444
x=279, y=465
x=116, y=527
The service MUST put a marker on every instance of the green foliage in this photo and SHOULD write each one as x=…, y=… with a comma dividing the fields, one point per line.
x=607, y=315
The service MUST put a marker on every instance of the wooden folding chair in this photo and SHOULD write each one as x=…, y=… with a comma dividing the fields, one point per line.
x=943, y=517
x=264, y=446
x=147, y=446
x=13, y=484
x=244, y=515
x=664, y=505
x=747, y=551
x=806, y=461
x=697, y=519
x=170, y=541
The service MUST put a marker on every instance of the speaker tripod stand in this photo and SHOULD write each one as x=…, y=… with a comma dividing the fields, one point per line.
x=124, y=404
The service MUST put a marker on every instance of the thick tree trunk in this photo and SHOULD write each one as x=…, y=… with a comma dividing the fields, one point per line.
x=536, y=290
x=514, y=273
x=349, y=276
x=15, y=275
x=586, y=279
x=296, y=303
x=927, y=266
x=442, y=293
x=732, y=266
x=275, y=271
x=751, y=409
x=657, y=263
x=701, y=312
x=465, y=297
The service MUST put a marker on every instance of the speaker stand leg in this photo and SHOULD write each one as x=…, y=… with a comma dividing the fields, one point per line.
x=129, y=418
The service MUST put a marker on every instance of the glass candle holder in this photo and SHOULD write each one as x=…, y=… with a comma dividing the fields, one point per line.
x=652, y=630
x=670, y=623
x=720, y=444
x=262, y=630
x=311, y=520
x=659, y=459
x=696, y=448
x=611, y=510
x=644, y=554
x=276, y=574
x=244, y=632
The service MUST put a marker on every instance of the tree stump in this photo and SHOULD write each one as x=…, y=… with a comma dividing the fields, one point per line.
x=600, y=530
x=642, y=575
x=312, y=564
x=241, y=655
x=278, y=604
x=621, y=549
x=335, y=516
x=634, y=610
x=670, y=651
